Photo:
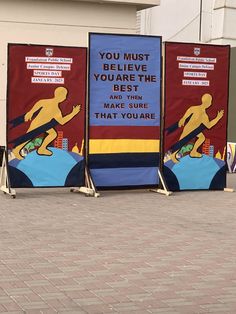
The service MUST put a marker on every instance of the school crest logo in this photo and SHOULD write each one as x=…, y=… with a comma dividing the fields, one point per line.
x=49, y=52
x=197, y=51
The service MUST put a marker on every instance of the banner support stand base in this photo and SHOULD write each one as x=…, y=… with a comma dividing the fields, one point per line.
x=89, y=189
x=85, y=190
x=5, y=185
x=165, y=189
x=8, y=191
x=162, y=191
x=228, y=190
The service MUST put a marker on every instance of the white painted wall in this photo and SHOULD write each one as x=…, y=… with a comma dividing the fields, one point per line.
x=173, y=19
x=224, y=22
x=179, y=20
x=59, y=22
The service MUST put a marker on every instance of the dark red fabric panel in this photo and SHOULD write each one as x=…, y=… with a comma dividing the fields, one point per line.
x=124, y=132
x=23, y=94
x=195, y=119
x=179, y=98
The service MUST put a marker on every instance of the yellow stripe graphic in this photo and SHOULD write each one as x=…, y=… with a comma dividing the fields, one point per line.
x=123, y=146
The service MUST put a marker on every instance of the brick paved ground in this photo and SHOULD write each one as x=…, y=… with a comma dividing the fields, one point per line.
x=125, y=252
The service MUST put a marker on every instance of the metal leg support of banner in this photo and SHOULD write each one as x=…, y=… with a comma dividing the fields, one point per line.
x=164, y=190
x=230, y=172
x=89, y=189
x=5, y=185
x=228, y=190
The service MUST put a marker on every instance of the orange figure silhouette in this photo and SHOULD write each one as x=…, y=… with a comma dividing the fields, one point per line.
x=47, y=109
x=197, y=115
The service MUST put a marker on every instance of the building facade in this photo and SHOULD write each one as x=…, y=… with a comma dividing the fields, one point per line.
x=60, y=22
x=206, y=21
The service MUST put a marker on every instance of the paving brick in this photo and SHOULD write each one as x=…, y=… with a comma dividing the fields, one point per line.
x=13, y=312
x=2, y=308
x=124, y=307
x=88, y=301
x=164, y=311
x=72, y=311
x=125, y=252
x=11, y=306
x=36, y=305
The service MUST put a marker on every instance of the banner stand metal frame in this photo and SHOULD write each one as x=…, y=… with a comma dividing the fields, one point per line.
x=228, y=190
x=164, y=189
x=89, y=189
x=5, y=184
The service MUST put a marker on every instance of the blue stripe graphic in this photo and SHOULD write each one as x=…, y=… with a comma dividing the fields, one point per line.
x=112, y=177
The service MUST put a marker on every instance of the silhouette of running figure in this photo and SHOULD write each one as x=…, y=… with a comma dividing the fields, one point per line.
x=197, y=115
x=46, y=110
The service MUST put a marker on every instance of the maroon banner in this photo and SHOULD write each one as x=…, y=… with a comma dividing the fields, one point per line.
x=46, y=115
x=196, y=102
